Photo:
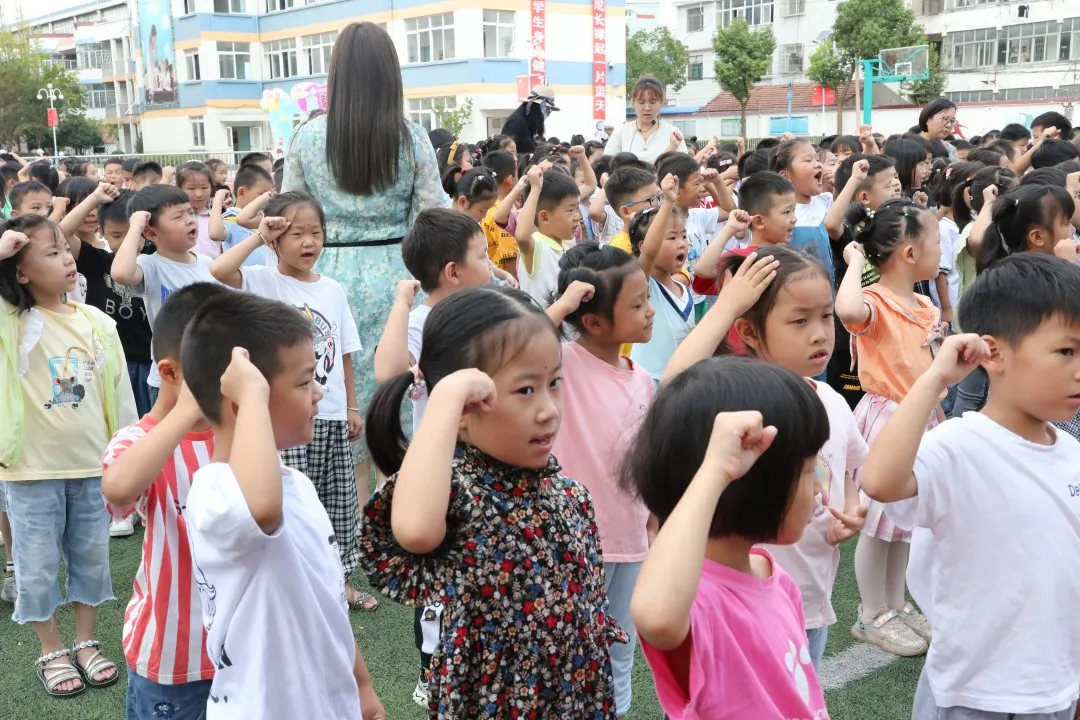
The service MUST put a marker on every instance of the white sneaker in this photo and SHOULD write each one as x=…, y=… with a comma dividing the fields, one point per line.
x=121, y=528
x=9, y=591
x=420, y=692
x=889, y=632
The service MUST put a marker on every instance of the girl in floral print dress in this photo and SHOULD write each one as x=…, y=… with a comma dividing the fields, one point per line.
x=478, y=517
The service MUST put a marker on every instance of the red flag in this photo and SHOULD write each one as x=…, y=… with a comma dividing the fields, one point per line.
x=53, y=117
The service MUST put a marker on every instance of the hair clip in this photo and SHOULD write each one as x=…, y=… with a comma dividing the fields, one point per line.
x=948, y=172
x=870, y=214
x=1016, y=202
x=417, y=390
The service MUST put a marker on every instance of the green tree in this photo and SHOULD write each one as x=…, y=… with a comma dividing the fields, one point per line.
x=863, y=28
x=743, y=58
x=830, y=69
x=656, y=52
x=24, y=69
x=923, y=91
x=455, y=119
x=78, y=132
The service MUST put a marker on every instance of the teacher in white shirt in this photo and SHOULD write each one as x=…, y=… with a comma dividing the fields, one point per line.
x=647, y=136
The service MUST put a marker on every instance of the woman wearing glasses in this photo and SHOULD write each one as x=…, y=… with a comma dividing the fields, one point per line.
x=647, y=136
x=936, y=123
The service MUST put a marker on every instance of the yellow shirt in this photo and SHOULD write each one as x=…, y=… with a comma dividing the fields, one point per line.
x=501, y=244
x=621, y=241
x=65, y=432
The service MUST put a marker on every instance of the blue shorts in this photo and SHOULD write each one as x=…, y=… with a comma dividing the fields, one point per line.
x=53, y=516
x=148, y=700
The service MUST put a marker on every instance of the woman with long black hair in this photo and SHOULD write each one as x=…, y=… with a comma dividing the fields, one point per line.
x=372, y=171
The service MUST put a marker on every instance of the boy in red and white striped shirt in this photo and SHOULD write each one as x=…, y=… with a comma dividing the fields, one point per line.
x=149, y=466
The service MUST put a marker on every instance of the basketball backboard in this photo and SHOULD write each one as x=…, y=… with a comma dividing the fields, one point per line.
x=904, y=64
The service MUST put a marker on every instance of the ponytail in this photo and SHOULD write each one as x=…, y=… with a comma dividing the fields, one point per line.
x=450, y=178
x=386, y=439
x=605, y=268
x=1002, y=178
x=1016, y=214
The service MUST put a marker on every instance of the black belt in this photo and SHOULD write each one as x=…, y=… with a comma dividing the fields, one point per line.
x=365, y=243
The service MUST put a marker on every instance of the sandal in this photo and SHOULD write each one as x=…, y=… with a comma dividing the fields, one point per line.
x=98, y=663
x=361, y=599
x=60, y=673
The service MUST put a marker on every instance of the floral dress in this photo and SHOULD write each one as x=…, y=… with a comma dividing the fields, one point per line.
x=525, y=631
x=368, y=273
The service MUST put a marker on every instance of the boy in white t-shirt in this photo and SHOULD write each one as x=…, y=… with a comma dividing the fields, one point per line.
x=445, y=251
x=264, y=552
x=161, y=214
x=292, y=228
x=552, y=210
x=994, y=500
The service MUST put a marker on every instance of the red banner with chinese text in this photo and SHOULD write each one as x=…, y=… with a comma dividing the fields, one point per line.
x=599, y=35
x=537, y=42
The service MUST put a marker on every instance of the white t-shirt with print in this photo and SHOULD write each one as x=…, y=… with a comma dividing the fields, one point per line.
x=543, y=283
x=812, y=562
x=812, y=214
x=417, y=318
x=325, y=304
x=701, y=227
x=995, y=565
x=161, y=278
x=272, y=603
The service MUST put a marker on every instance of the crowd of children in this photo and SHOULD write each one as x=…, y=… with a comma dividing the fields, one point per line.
x=649, y=401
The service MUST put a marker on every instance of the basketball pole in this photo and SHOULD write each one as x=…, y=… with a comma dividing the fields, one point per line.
x=868, y=88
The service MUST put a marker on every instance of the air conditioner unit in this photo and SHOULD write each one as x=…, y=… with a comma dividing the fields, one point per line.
x=794, y=62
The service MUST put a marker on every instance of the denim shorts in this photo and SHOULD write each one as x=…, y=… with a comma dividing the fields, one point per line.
x=53, y=516
x=148, y=700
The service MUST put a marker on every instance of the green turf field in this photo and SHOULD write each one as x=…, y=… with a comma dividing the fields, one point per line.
x=386, y=639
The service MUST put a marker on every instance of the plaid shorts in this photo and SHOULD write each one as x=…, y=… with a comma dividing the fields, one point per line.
x=328, y=461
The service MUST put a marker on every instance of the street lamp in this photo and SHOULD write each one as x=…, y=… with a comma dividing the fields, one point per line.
x=53, y=94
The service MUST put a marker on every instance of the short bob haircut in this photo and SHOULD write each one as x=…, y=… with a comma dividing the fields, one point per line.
x=1011, y=299
x=671, y=444
x=11, y=290
x=934, y=107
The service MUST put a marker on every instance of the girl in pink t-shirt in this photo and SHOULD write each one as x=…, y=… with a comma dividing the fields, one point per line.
x=604, y=296
x=726, y=459
x=779, y=303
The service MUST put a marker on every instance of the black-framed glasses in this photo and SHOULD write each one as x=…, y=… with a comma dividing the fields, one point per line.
x=653, y=201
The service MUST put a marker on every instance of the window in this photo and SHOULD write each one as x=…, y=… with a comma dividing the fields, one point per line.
x=234, y=60
x=730, y=127
x=696, y=70
x=494, y=125
x=281, y=59
x=198, y=132
x=686, y=127
x=426, y=111
x=970, y=48
x=789, y=61
x=116, y=12
x=230, y=6
x=1027, y=93
x=317, y=51
x=794, y=7
x=695, y=19
x=971, y=96
x=1027, y=43
x=189, y=7
x=960, y=4
x=430, y=38
x=1069, y=47
x=93, y=56
x=275, y=5
x=99, y=96
x=753, y=12
x=498, y=33
x=191, y=62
